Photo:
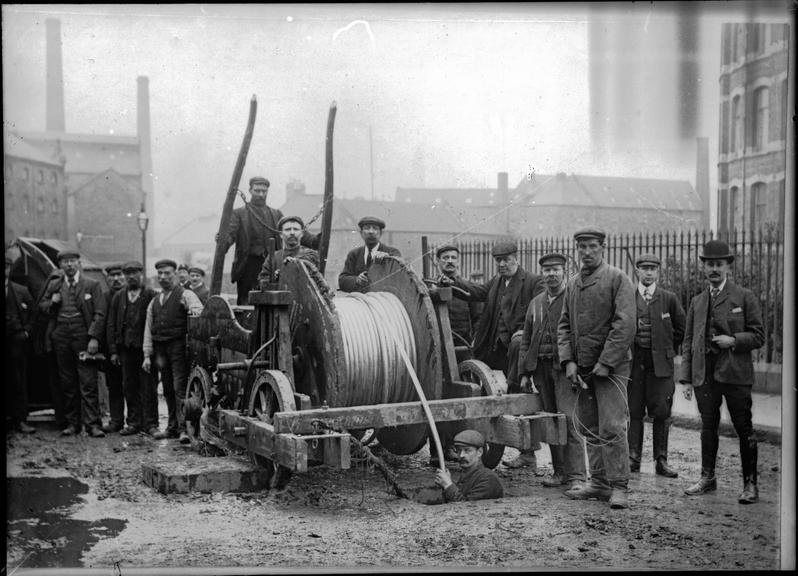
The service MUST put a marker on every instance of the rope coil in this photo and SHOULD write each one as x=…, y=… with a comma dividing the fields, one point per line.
x=371, y=326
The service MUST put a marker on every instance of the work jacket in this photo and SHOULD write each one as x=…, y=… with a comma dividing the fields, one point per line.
x=355, y=263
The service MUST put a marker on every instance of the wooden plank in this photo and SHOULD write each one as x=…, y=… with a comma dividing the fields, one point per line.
x=336, y=452
x=385, y=415
x=302, y=401
x=271, y=297
x=458, y=389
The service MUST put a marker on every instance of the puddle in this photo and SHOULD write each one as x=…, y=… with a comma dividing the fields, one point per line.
x=39, y=529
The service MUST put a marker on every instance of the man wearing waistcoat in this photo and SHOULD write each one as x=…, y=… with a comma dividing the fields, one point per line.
x=660, y=330
x=594, y=336
x=165, y=340
x=125, y=333
x=76, y=306
x=724, y=324
x=541, y=373
x=113, y=372
x=19, y=328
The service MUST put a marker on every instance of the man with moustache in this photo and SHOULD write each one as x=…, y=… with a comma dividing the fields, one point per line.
x=660, y=330
x=541, y=373
x=594, y=336
x=462, y=314
x=724, y=324
x=165, y=340
x=183, y=276
x=291, y=229
x=125, y=334
x=497, y=339
x=196, y=283
x=77, y=307
x=354, y=277
x=113, y=372
x=19, y=328
x=476, y=482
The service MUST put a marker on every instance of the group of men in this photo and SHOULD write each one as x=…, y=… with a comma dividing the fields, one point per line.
x=595, y=348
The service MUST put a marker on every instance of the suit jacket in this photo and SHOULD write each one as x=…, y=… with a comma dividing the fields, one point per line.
x=514, y=301
x=91, y=303
x=270, y=266
x=667, y=329
x=116, y=317
x=243, y=227
x=355, y=264
x=539, y=308
x=19, y=299
x=599, y=319
x=736, y=312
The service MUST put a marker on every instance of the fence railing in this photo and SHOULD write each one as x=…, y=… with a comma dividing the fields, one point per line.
x=758, y=265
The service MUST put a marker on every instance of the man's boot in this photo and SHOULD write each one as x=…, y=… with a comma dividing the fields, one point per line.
x=748, y=456
x=707, y=483
x=618, y=498
x=709, y=453
x=525, y=458
x=661, y=430
x=635, y=438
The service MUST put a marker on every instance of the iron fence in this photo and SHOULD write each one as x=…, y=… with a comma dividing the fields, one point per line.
x=758, y=265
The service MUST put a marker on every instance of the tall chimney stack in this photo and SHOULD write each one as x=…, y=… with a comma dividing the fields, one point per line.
x=145, y=152
x=702, y=178
x=55, y=78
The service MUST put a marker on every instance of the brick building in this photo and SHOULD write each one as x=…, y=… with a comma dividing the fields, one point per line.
x=753, y=126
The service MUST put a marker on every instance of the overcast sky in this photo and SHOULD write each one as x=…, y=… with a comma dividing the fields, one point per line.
x=452, y=94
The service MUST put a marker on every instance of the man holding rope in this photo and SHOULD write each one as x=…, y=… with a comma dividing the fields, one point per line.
x=594, y=336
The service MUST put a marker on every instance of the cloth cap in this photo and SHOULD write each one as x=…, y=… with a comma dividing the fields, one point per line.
x=371, y=220
x=285, y=219
x=132, y=266
x=648, y=258
x=67, y=253
x=470, y=438
x=552, y=258
x=111, y=268
x=258, y=180
x=504, y=249
x=165, y=262
x=717, y=250
x=196, y=269
x=183, y=267
x=590, y=232
x=446, y=248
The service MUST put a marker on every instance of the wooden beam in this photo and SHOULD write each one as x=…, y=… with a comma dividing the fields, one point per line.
x=385, y=415
x=524, y=432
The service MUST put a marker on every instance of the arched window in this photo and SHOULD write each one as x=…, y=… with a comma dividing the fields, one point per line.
x=40, y=204
x=737, y=124
x=26, y=204
x=40, y=176
x=55, y=206
x=739, y=42
x=761, y=117
x=734, y=208
x=759, y=191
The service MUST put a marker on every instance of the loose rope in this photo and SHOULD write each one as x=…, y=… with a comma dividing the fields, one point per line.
x=372, y=325
x=590, y=437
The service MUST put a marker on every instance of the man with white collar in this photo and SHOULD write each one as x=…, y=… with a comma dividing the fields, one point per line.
x=724, y=324
x=292, y=230
x=660, y=331
x=354, y=277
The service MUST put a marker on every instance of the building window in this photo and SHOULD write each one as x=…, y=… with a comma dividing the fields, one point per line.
x=53, y=178
x=726, y=42
x=756, y=38
x=777, y=33
x=737, y=124
x=24, y=173
x=761, y=118
x=25, y=204
x=723, y=200
x=40, y=204
x=55, y=206
x=739, y=42
x=734, y=209
x=759, y=191
x=40, y=176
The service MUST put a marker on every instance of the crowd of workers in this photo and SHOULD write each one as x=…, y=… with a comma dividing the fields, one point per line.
x=596, y=347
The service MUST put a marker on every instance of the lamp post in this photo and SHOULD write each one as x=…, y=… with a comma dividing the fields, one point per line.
x=142, y=220
x=79, y=238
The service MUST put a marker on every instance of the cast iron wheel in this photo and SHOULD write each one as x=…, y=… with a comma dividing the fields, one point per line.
x=271, y=393
x=477, y=372
x=198, y=391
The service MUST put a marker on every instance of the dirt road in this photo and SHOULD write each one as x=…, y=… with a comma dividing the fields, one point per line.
x=81, y=502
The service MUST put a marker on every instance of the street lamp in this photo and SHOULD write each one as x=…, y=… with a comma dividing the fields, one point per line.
x=79, y=238
x=142, y=220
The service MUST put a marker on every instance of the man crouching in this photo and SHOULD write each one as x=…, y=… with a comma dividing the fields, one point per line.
x=476, y=482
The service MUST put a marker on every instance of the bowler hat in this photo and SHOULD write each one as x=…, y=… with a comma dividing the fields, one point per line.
x=371, y=220
x=552, y=258
x=446, y=248
x=717, y=250
x=258, y=180
x=196, y=269
x=132, y=266
x=648, y=258
x=285, y=219
x=67, y=253
x=504, y=249
x=470, y=438
x=111, y=268
x=165, y=262
x=590, y=232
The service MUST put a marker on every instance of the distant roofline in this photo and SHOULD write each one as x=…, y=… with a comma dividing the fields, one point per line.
x=642, y=178
x=72, y=137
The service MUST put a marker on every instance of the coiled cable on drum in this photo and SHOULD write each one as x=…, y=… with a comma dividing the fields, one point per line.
x=371, y=326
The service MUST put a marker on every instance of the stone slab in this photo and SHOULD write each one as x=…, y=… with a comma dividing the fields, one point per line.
x=193, y=473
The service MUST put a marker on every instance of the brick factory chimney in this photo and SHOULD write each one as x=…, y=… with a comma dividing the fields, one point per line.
x=702, y=178
x=55, y=78
x=145, y=152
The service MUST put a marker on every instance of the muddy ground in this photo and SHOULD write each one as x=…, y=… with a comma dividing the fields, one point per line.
x=102, y=515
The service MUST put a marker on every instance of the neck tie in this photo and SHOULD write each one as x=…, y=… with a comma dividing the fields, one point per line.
x=368, y=258
x=72, y=286
x=713, y=294
x=646, y=295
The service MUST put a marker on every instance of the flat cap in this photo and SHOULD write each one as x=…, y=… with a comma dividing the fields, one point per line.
x=717, y=250
x=111, y=268
x=132, y=266
x=285, y=219
x=371, y=220
x=590, y=232
x=259, y=180
x=470, y=438
x=165, y=262
x=197, y=269
x=552, y=258
x=67, y=253
x=504, y=249
x=648, y=258
x=182, y=267
x=446, y=248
